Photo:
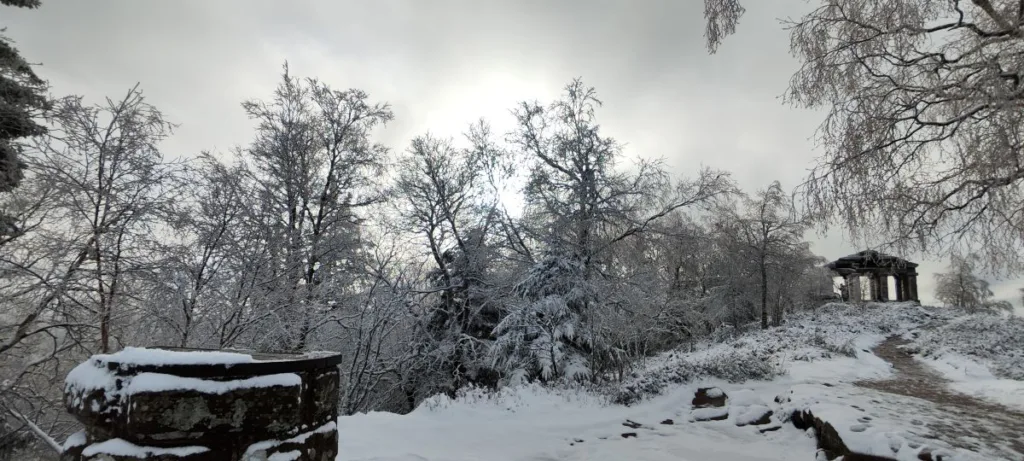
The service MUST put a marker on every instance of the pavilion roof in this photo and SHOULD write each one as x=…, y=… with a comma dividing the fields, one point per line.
x=868, y=261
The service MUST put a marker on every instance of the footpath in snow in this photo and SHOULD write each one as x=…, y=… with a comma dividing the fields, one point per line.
x=822, y=364
x=980, y=425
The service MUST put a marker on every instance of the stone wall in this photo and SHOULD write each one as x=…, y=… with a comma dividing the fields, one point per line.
x=251, y=410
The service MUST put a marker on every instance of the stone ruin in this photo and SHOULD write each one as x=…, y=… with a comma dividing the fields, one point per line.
x=877, y=268
x=192, y=405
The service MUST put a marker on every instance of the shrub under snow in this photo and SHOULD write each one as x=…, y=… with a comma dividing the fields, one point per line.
x=761, y=354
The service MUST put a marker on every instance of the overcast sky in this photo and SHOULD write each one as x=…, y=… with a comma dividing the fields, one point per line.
x=444, y=63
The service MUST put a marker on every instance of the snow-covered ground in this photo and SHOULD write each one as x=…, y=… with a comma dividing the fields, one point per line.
x=983, y=356
x=535, y=424
x=973, y=378
x=816, y=356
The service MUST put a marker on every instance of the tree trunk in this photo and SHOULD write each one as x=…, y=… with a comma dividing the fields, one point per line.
x=187, y=311
x=764, y=295
x=104, y=332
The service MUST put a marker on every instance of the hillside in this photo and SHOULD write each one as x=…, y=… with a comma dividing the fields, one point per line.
x=825, y=366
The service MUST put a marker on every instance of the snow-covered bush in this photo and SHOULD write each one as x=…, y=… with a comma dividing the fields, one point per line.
x=734, y=362
x=509, y=398
x=641, y=385
x=757, y=354
x=995, y=339
x=739, y=364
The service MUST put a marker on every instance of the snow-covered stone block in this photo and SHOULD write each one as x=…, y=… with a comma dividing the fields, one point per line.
x=199, y=405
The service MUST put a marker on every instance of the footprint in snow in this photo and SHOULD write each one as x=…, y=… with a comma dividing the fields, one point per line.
x=859, y=427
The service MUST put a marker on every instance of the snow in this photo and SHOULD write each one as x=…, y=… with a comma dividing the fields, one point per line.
x=751, y=414
x=877, y=423
x=89, y=375
x=74, y=440
x=285, y=456
x=39, y=433
x=814, y=361
x=704, y=414
x=715, y=393
x=534, y=423
x=298, y=439
x=121, y=447
x=862, y=367
x=745, y=397
x=992, y=340
x=834, y=331
x=159, y=382
x=144, y=356
x=973, y=378
x=982, y=355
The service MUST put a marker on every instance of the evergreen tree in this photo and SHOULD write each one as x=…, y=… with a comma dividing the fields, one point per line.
x=547, y=335
x=21, y=96
x=21, y=3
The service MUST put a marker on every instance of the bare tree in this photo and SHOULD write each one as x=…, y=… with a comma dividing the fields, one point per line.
x=314, y=167
x=374, y=330
x=960, y=287
x=769, y=230
x=112, y=187
x=798, y=281
x=207, y=224
x=88, y=212
x=721, y=17
x=445, y=198
x=924, y=122
x=924, y=130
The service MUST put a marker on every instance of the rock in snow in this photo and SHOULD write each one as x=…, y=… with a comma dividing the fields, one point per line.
x=709, y=397
x=709, y=414
x=756, y=415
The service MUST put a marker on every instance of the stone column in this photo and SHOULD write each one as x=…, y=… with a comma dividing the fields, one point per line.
x=898, y=279
x=853, y=285
x=883, y=288
x=156, y=404
x=873, y=284
x=912, y=288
